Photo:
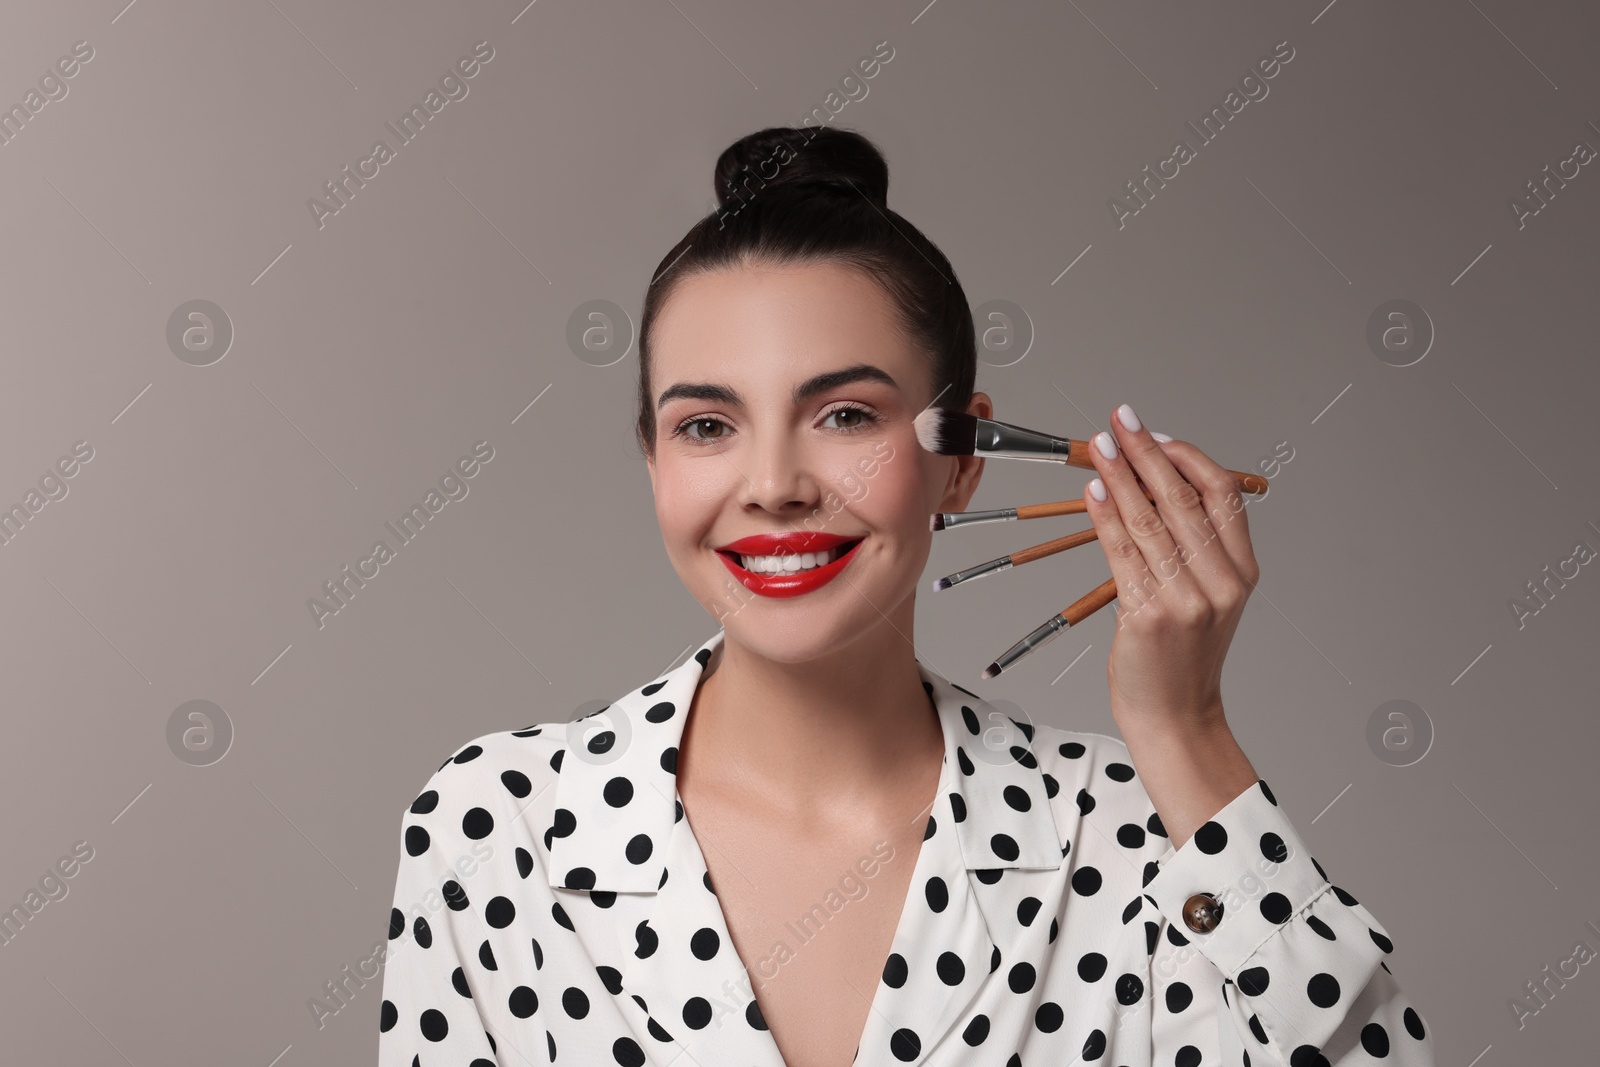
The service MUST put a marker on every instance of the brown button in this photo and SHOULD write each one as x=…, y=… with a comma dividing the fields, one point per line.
x=1202, y=912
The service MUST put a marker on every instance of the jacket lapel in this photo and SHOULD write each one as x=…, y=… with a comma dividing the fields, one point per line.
x=991, y=813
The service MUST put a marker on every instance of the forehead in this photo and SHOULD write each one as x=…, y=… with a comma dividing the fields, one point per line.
x=778, y=321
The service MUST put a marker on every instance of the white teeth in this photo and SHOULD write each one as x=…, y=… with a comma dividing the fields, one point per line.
x=790, y=564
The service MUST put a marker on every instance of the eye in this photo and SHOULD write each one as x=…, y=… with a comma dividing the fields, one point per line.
x=702, y=421
x=863, y=418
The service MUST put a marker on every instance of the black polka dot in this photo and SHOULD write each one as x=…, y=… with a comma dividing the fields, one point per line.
x=416, y=840
x=1275, y=908
x=895, y=971
x=697, y=1013
x=575, y=1002
x=1179, y=997
x=1253, y=981
x=1211, y=838
x=951, y=969
x=618, y=792
x=905, y=1044
x=477, y=823
x=435, y=1027
x=704, y=943
x=1307, y=1056
x=499, y=912
x=523, y=1002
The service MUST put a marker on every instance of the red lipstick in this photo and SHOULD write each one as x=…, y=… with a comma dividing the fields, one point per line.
x=786, y=544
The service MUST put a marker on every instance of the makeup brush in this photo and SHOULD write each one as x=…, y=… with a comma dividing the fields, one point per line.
x=955, y=433
x=1081, y=609
x=1016, y=559
x=944, y=520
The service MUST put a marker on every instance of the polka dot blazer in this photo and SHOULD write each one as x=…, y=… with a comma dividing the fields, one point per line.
x=553, y=906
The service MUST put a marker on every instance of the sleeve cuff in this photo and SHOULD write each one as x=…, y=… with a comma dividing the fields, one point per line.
x=1250, y=859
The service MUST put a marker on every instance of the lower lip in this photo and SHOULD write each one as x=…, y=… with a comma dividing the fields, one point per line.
x=780, y=585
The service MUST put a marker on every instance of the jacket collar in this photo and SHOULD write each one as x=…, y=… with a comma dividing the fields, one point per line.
x=616, y=791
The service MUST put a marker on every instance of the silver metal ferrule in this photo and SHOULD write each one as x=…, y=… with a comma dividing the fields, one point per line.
x=969, y=518
x=1046, y=633
x=1005, y=441
x=994, y=566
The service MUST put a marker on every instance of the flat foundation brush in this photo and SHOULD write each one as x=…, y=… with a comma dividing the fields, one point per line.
x=955, y=433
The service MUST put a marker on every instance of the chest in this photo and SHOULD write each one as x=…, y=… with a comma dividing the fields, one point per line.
x=812, y=916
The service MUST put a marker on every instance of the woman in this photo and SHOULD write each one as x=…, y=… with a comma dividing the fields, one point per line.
x=805, y=845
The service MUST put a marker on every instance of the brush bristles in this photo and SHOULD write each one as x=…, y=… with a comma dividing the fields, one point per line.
x=936, y=521
x=991, y=671
x=948, y=433
x=941, y=583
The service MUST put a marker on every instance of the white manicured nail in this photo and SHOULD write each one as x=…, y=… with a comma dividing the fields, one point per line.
x=1163, y=438
x=1097, y=489
x=1129, y=420
x=1106, y=444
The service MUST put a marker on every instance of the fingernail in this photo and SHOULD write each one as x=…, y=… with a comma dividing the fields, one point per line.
x=1129, y=420
x=1097, y=489
x=1106, y=444
x=1163, y=438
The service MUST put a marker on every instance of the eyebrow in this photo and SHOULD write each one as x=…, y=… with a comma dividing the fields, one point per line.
x=725, y=394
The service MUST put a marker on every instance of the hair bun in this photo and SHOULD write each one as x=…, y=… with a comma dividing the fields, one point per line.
x=785, y=156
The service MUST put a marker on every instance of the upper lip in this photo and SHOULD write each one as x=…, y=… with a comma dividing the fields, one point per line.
x=785, y=544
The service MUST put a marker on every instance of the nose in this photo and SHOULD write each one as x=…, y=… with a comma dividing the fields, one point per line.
x=778, y=477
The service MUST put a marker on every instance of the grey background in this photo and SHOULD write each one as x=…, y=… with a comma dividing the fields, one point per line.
x=429, y=313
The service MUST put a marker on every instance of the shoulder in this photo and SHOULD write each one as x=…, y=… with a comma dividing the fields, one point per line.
x=488, y=781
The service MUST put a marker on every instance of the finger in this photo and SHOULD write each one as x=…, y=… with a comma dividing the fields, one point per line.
x=1139, y=518
x=1135, y=583
x=1224, y=504
x=1178, y=503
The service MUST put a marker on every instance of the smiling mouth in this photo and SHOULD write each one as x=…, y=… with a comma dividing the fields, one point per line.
x=791, y=563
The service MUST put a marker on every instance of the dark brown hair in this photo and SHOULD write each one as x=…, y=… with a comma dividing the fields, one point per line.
x=790, y=194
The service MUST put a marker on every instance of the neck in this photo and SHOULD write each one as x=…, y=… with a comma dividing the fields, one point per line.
x=822, y=738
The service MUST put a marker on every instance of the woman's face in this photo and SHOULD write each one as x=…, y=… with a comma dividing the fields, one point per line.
x=785, y=397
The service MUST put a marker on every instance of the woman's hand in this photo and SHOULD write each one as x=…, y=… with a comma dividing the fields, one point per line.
x=1184, y=568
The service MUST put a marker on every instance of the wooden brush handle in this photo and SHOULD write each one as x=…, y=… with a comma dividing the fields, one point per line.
x=1091, y=602
x=1078, y=456
x=1050, y=548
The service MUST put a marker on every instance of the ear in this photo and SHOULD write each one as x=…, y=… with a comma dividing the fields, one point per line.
x=967, y=470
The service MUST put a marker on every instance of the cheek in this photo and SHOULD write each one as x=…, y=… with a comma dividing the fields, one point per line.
x=688, y=497
x=887, y=493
